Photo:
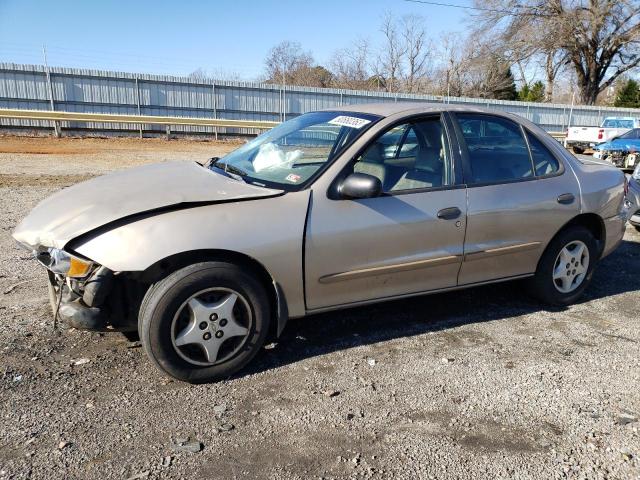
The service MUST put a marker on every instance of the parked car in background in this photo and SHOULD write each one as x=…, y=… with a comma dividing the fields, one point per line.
x=623, y=151
x=581, y=138
x=328, y=210
x=633, y=198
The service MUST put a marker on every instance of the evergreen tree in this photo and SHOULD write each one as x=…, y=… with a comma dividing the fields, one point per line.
x=629, y=95
x=506, y=87
x=533, y=93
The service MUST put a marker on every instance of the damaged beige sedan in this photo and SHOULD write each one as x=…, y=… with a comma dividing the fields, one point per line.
x=328, y=210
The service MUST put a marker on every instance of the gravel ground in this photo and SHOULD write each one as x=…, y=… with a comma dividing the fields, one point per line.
x=483, y=383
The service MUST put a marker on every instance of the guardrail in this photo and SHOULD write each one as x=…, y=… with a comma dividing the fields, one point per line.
x=53, y=115
x=119, y=118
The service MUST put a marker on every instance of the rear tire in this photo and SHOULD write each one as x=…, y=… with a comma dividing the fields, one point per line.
x=204, y=322
x=564, y=272
x=577, y=150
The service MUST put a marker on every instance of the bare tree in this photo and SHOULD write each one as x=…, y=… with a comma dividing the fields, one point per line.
x=600, y=39
x=217, y=74
x=284, y=60
x=351, y=67
x=418, y=51
x=472, y=69
x=288, y=64
x=450, y=75
x=391, y=55
x=555, y=62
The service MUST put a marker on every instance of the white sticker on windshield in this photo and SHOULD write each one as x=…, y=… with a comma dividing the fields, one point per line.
x=346, y=121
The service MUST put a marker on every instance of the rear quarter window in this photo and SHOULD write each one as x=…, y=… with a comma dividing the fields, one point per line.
x=543, y=160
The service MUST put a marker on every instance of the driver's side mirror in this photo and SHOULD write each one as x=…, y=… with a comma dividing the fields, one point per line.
x=360, y=185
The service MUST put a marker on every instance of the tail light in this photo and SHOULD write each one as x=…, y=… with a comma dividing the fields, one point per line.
x=626, y=185
x=600, y=134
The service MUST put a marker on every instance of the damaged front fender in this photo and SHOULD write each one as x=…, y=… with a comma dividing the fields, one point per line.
x=268, y=230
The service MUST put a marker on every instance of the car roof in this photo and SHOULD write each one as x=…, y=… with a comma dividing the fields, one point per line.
x=386, y=109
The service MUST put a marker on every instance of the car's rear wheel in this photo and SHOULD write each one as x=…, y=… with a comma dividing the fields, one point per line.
x=566, y=267
x=204, y=322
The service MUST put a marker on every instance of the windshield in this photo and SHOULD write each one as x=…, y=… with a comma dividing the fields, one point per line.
x=291, y=153
x=618, y=123
x=631, y=134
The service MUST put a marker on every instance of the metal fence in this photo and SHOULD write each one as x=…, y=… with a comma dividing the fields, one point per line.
x=78, y=90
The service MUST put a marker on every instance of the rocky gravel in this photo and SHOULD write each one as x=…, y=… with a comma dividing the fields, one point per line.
x=482, y=383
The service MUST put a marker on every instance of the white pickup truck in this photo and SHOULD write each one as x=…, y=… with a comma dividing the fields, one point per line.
x=581, y=138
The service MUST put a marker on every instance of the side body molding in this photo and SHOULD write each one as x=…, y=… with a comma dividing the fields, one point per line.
x=269, y=230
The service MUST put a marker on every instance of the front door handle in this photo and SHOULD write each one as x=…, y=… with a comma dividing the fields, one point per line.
x=450, y=213
x=566, y=198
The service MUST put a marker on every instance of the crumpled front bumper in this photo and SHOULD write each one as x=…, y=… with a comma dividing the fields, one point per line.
x=81, y=303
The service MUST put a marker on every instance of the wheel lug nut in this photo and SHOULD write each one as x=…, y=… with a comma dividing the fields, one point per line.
x=219, y=334
x=213, y=317
x=568, y=265
x=223, y=322
x=203, y=325
x=207, y=336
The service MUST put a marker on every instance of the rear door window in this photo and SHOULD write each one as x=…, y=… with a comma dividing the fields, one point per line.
x=496, y=147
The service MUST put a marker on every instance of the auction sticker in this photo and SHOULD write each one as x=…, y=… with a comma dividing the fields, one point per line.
x=346, y=121
x=293, y=178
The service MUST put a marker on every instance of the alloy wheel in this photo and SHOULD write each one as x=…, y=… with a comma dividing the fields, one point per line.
x=571, y=266
x=211, y=326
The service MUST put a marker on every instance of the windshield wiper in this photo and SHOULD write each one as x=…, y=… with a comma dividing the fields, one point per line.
x=231, y=170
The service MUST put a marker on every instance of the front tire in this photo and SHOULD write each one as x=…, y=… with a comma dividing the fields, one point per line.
x=204, y=322
x=566, y=267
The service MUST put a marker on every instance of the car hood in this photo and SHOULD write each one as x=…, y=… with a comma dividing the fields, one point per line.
x=626, y=145
x=86, y=206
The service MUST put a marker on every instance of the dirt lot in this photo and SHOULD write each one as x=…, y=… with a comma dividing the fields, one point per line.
x=483, y=383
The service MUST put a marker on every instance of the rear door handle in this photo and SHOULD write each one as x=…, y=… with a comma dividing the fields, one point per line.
x=566, y=198
x=449, y=213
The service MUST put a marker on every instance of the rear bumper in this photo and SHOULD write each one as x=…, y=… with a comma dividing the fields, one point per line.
x=615, y=227
x=578, y=143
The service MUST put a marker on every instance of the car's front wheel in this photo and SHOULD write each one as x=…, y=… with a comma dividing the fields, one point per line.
x=566, y=267
x=204, y=322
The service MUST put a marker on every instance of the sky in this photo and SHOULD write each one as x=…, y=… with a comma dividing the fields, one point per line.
x=178, y=37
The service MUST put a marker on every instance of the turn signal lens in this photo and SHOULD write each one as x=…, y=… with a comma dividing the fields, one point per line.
x=78, y=267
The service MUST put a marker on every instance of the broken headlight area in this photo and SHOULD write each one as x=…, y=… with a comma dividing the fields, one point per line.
x=61, y=262
x=621, y=158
